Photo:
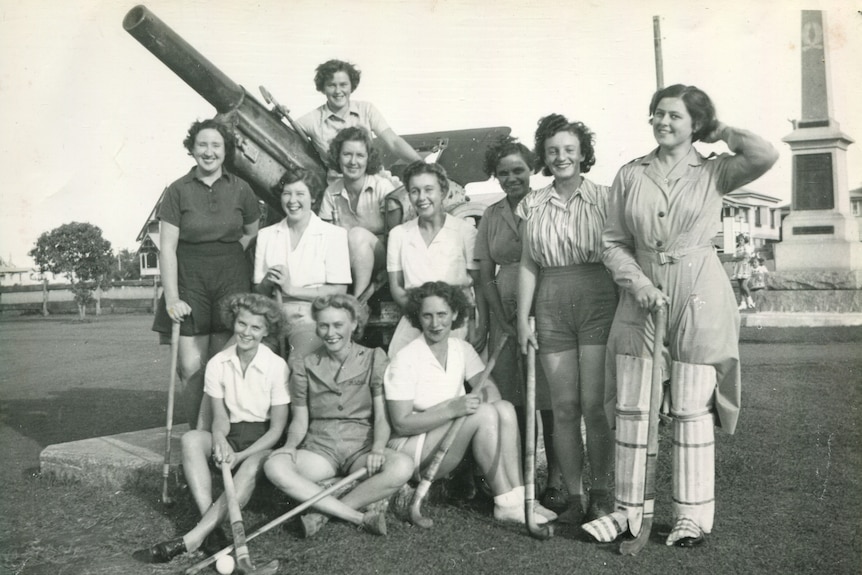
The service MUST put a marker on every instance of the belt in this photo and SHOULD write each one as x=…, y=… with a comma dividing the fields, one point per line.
x=672, y=257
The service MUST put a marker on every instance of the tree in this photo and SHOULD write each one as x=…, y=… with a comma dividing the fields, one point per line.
x=125, y=266
x=79, y=252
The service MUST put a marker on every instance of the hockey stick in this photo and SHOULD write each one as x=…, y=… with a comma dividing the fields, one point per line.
x=546, y=531
x=169, y=424
x=632, y=546
x=243, y=560
x=355, y=476
x=431, y=471
x=282, y=344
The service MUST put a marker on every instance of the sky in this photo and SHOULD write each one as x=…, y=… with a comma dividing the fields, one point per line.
x=92, y=123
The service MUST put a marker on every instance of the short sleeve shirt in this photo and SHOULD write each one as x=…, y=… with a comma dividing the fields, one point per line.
x=320, y=257
x=499, y=236
x=564, y=233
x=370, y=208
x=415, y=374
x=248, y=397
x=331, y=392
x=447, y=258
x=209, y=214
x=322, y=124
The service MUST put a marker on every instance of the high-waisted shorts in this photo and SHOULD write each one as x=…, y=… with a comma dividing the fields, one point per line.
x=243, y=434
x=339, y=441
x=574, y=306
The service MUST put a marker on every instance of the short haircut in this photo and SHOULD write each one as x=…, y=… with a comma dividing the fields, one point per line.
x=553, y=124
x=452, y=295
x=357, y=310
x=328, y=69
x=354, y=134
x=255, y=304
x=504, y=147
x=221, y=128
x=698, y=104
x=419, y=167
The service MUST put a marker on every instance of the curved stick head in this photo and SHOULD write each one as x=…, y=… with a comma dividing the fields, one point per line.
x=416, y=517
x=633, y=546
x=542, y=533
x=270, y=568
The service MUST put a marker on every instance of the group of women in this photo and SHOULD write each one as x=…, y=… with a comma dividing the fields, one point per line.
x=588, y=261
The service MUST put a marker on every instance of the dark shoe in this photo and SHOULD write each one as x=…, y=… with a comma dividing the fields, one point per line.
x=374, y=522
x=574, y=515
x=215, y=542
x=555, y=500
x=601, y=504
x=686, y=542
x=312, y=523
x=461, y=487
x=161, y=552
x=483, y=489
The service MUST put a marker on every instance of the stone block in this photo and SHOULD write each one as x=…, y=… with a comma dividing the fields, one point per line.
x=815, y=280
x=808, y=301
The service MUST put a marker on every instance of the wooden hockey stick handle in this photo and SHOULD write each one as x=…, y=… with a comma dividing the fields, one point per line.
x=546, y=531
x=169, y=423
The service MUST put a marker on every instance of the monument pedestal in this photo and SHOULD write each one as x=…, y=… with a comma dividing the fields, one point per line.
x=812, y=291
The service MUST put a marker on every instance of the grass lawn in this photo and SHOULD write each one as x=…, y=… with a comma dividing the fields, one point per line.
x=788, y=483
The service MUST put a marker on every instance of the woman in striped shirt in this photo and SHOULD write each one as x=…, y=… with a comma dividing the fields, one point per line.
x=575, y=302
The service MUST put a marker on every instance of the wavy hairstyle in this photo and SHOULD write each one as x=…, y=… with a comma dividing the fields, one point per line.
x=553, y=124
x=419, y=167
x=292, y=175
x=255, y=304
x=354, y=134
x=328, y=69
x=357, y=310
x=698, y=104
x=221, y=128
x=503, y=147
x=452, y=295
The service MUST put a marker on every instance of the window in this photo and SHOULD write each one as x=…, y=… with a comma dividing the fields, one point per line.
x=772, y=219
x=856, y=207
x=757, y=217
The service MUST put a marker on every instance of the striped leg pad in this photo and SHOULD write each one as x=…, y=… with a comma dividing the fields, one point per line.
x=683, y=528
x=608, y=528
x=692, y=393
x=632, y=422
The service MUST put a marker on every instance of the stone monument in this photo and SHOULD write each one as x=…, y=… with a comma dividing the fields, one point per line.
x=819, y=233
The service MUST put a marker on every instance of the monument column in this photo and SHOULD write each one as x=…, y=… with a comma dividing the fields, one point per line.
x=820, y=232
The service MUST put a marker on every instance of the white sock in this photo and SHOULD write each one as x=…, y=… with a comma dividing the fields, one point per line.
x=510, y=498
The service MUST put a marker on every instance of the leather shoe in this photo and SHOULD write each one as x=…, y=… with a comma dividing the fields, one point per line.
x=215, y=541
x=687, y=542
x=312, y=523
x=555, y=500
x=161, y=552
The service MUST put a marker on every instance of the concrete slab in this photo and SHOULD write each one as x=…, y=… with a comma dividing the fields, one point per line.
x=799, y=319
x=115, y=460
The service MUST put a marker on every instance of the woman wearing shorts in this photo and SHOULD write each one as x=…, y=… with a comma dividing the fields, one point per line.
x=425, y=394
x=301, y=257
x=208, y=218
x=338, y=422
x=575, y=300
x=246, y=385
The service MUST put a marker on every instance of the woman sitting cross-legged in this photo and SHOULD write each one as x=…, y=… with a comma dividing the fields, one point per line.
x=339, y=422
x=246, y=384
x=425, y=394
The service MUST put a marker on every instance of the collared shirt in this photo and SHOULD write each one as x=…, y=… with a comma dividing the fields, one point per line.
x=415, y=374
x=447, y=258
x=205, y=213
x=320, y=257
x=247, y=397
x=564, y=233
x=499, y=236
x=322, y=124
x=333, y=392
x=370, y=207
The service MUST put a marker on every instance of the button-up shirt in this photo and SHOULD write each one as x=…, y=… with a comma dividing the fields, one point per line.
x=247, y=396
x=322, y=124
x=370, y=207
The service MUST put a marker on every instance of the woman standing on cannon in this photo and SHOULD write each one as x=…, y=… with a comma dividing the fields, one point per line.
x=575, y=300
x=657, y=244
x=498, y=246
x=208, y=217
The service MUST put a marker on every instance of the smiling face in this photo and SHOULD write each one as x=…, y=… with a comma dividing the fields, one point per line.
x=425, y=195
x=563, y=155
x=296, y=202
x=249, y=329
x=335, y=326
x=353, y=159
x=672, y=124
x=436, y=317
x=337, y=90
x=513, y=173
x=208, y=151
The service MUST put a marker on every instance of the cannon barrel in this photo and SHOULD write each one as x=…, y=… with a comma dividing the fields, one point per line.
x=265, y=146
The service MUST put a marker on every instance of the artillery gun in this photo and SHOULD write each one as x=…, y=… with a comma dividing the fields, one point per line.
x=266, y=146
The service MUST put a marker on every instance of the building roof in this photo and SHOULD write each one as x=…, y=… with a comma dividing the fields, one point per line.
x=748, y=197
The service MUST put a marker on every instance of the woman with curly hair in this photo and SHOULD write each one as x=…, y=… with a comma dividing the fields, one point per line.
x=338, y=422
x=208, y=218
x=337, y=80
x=575, y=300
x=498, y=250
x=357, y=202
x=246, y=385
x=425, y=393
x=658, y=246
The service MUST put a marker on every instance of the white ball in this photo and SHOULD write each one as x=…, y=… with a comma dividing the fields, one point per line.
x=225, y=565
